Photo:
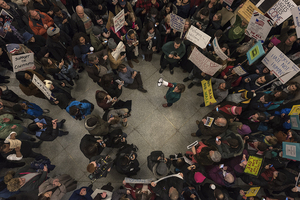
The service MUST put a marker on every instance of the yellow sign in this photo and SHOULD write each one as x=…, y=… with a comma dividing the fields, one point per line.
x=254, y=52
x=295, y=110
x=246, y=11
x=253, y=165
x=208, y=94
x=252, y=192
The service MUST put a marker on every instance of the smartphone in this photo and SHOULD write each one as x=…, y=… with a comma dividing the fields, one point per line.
x=111, y=116
x=105, y=41
x=217, y=139
x=154, y=38
x=271, y=166
x=217, y=109
x=221, y=166
x=209, y=44
x=155, y=25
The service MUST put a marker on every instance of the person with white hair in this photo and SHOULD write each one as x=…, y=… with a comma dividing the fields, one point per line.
x=83, y=20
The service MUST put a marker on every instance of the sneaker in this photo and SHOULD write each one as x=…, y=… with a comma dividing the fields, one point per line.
x=186, y=79
x=62, y=121
x=136, y=60
x=191, y=85
x=142, y=90
x=165, y=105
x=172, y=71
x=125, y=124
x=193, y=135
x=130, y=64
x=161, y=70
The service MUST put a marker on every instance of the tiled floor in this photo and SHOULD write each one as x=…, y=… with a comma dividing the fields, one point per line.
x=151, y=127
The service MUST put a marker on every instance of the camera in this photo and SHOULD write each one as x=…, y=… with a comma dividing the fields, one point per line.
x=102, y=167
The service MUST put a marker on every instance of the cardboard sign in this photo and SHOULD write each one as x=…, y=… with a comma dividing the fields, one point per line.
x=295, y=110
x=253, y=165
x=240, y=70
x=177, y=23
x=255, y=53
x=23, y=62
x=291, y=150
x=281, y=11
x=295, y=122
x=247, y=10
x=252, y=192
x=209, y=121
x=208, y=94
x=39, y=84
x=198, y=37
x=119, y=20
x=228, y=2
x=202, y=62
x=6, y=19
x=280, y=64
x=218, y=50
x=259, y=26
x=296, y=17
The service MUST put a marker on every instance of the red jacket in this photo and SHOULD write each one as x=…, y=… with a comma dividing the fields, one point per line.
x=225, y=71
x=39, y=29
x=136, y=187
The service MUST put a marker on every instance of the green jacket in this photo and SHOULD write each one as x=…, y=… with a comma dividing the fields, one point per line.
x=5, y=128
x=96, y=43
x=171, y=96
x=169, y=48
x=237, y=31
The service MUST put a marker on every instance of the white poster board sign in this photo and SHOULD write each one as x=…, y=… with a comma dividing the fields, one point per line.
x=280, y=64
x=177, y=23
x=240, y=70
x=119, y=20
x=39, y=84
x=23, y=62
x=259, y=26
x=198, y=37
x=296, y=17
x=120, y=48
x=203, y=63
x=218, y=50
x=229, y=2
x=281, y=11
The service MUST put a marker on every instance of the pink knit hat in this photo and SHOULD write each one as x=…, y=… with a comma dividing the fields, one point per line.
x=275, y=41
x=199, y=178
x=236, y=110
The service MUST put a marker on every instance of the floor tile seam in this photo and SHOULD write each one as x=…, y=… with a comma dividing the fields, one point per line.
x=144, y=138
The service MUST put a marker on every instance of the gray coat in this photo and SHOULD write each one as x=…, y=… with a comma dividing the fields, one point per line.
x=219, y=95
x=100, y=128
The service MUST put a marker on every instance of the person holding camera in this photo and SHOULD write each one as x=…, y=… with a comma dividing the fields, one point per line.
x=158, y=164
x=117, y=118
x=131, y=43
x=99, y=166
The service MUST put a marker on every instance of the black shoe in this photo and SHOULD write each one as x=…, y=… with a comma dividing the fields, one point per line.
x=109, y=184
x=62, y=121
x=172, y=71
x=80, y=70
x=4, y=81
x=63, y=133
x=142, y=90
x=200, y=94
x=32, y=139
x=191, y=85
x=202, y=105
x=186, y=79
x=161, y=70
x=37, y=144
x=5, y=77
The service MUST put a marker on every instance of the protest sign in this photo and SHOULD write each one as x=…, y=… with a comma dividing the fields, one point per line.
x=295, y=123
x=218, y=50
x=119, y=20
x=295, y=56
x=296, y=17
x=253, y=165
x=228, y=2
x=202, y=62
x=5, y=21
x=259, y=26
x=23, y=62
x=198, y=37
x=252, y=192
x=264, y=5
x=208, y=94
x=169, y=176
x=138, y=181
x=100, y=191
x=193, y=144
x=295, y=110
x=255, y=53
x=291, y=150
x=298, y=181
x=280, y=64
x=177, y=23
x=120, y=48
x=281, y=11
x=247, y=10
x=240, y=70
x=39, y=84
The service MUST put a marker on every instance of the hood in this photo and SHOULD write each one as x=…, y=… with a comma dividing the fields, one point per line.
x=90, y=128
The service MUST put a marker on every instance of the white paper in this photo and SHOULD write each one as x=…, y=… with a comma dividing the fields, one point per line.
x=296, y=17
x=177, y=23
x=38, y=83
x=290, y=150
x=198, y=37
x=23, y=62
x=218, y=50
x=119, y=20
x=281, y=11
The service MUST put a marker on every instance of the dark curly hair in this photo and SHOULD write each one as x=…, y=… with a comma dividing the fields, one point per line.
x=79, y=35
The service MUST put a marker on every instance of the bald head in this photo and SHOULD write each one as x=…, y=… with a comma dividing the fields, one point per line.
x=229, y=178
x=221, y=122
x=80, y=11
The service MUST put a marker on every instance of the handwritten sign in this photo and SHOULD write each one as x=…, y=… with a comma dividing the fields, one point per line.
x=295, y=110
x=203, y=63
x=39, y=84
x=255, y=53
x=280, y=65
x=6, y=19
x=198, y=37
x=253, y=165
x=247, y=10
x=218, y=50
x=281, y=11
x=291, y=150
x=228, y=2
x=23, y=62
x=295, y=122
x=119, y=20
x=296, y=17
x=120, y=48
x=240, y=70
x=208, y=94
x=177, y=23
x=259, y=26
x=252, y=192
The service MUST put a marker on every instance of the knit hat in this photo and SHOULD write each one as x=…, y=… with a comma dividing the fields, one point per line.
x=97, y=30
x=111, y=43
x=13, y=48
x=122, y=2
x=199, y=178
x=52, y=31
x=245, y=130
x=236, y=110
x=27, y=36
x=268, y=78
x=160, y=169
x=250, y=95
x=216, y=157
x=33, y=127
x=275, y=41
x=48, y=83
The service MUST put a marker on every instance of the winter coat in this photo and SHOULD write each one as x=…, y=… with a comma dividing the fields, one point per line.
x=137, y=187
x=219, y=95
x=216, y=174
x=49, y=134
x=214, y=130
x=48, y=5
x=85, y=108
x=6, y=127
x=162, y=187
x=119, y=193
x=93, y=5
x=171, y=96
x=156, y=41
x=169, y=48
x=76, y=194
x=78, y=25
x=88, y=141
x=39, y=29
x=100, y=128
x=31, y=89
x=114, y=63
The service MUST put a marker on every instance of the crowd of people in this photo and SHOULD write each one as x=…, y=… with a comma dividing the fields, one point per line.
x=249, y=119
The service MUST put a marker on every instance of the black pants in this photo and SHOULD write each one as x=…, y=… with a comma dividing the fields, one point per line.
x=137, y=83
x=164, y=64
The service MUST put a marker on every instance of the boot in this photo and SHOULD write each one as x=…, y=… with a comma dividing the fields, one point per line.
x=150, y=57
x=130, y=63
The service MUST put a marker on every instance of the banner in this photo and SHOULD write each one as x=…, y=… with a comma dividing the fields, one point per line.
x=253, y=165
x=252, y=192
x=240, y=70
x=23, y=62
x=138, y=181
x=198, y=37
x=203, y=63
x=295, y=122
x=208, y=94
x=280, y=64
x=291, y=150
x=259, y=26
x=177, y=23
x=228, y=2
x=281, y=11
x=169, y=176
x=218, y=50
x=5, y=19
x=247, y=10
x=255, y=53
x=119, y=20
x=39, y=84
x=296, y=17
x=295, y=110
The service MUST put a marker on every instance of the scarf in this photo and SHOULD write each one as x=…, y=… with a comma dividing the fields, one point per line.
x=39, y=132
x=130, y=42
x=150, y=41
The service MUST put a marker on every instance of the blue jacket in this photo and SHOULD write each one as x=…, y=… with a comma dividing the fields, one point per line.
x=34, y=110
x=76, y=194
x=85, y=108
x=126, y=77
